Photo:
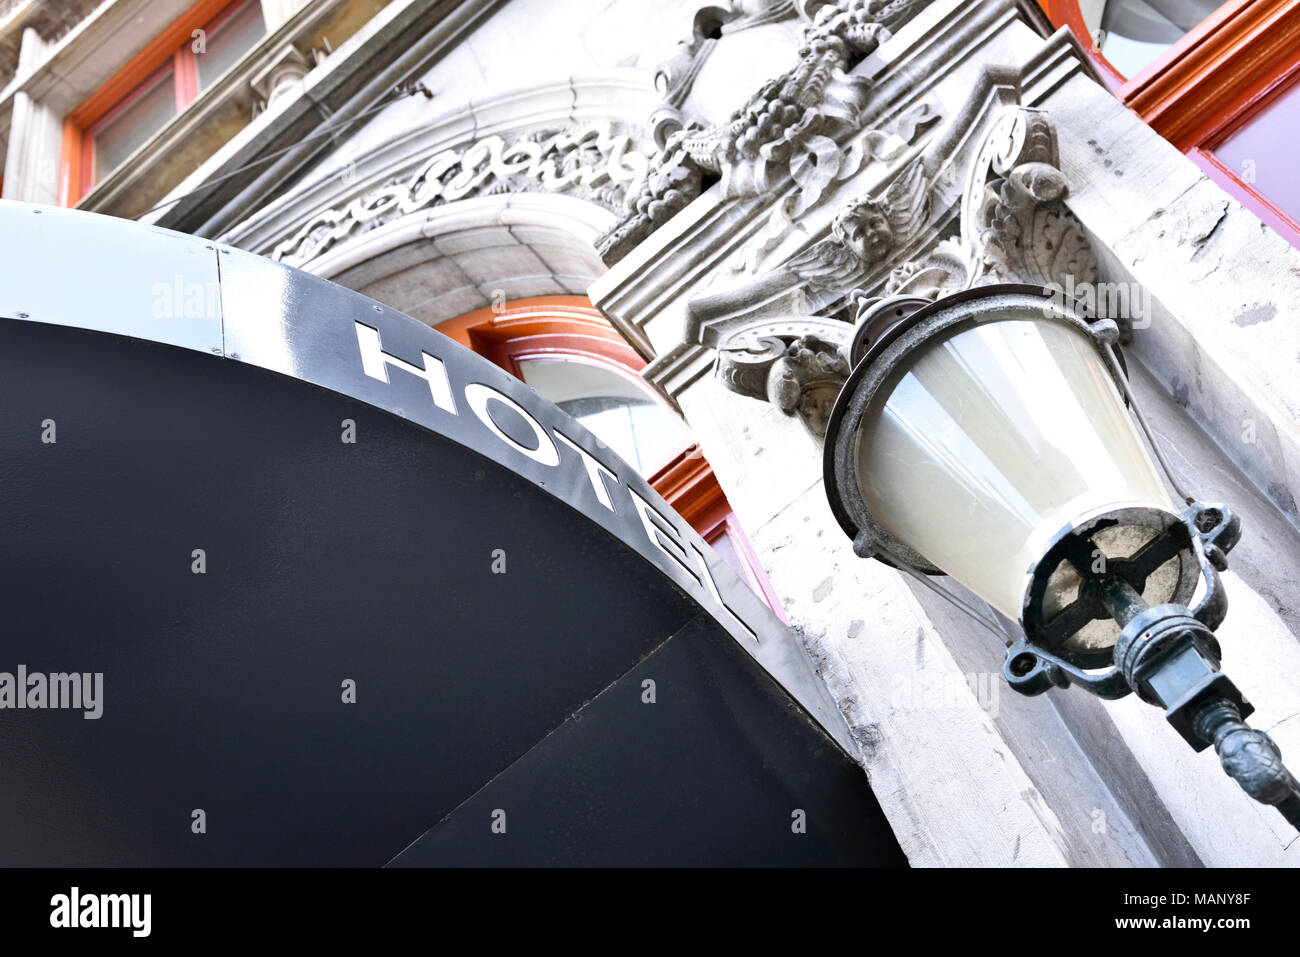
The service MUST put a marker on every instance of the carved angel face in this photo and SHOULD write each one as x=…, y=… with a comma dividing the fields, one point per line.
x=865, y=229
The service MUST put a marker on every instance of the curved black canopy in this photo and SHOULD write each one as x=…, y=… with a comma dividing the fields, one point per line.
x=472, y=618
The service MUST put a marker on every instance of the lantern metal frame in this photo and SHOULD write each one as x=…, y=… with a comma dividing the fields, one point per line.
x=1167, y=653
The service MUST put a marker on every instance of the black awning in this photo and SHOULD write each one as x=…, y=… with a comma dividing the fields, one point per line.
x=338, y=650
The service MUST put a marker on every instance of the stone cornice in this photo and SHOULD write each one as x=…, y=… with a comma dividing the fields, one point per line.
x=390, y=48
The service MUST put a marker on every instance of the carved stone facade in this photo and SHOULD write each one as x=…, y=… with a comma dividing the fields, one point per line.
x=1011, y=224
x=917, y=150
x=734, y=232
x=792, y=126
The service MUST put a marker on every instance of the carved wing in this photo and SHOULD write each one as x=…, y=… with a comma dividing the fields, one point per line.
x=828, y=264
x=906, y=202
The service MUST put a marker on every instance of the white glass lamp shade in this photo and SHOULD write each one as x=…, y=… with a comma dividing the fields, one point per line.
x=991, y=438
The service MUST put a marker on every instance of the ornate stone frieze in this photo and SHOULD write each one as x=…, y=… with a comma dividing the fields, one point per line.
x=597, y=162
x=793, y=126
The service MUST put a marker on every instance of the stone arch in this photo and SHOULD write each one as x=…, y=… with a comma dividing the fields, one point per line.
x=503, y=196
x=453, y=259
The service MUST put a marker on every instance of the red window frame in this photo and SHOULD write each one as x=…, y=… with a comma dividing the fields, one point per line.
x=1210, y=83
x=560, y=326
x=171, y=49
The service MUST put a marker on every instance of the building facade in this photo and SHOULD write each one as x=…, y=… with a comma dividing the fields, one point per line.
x=664, y=217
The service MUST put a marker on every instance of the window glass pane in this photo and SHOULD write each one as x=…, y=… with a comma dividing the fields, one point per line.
x=1135, y=32
x=234, y=37
x=616, y=409
x=1262, y=153
x=149, y=112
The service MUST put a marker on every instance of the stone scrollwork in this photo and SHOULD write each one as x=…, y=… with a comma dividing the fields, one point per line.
x=675, y=77
x=799, y=364
x=1015, y=218
x=596, y=160
x=792, y=126
x=1015, y=226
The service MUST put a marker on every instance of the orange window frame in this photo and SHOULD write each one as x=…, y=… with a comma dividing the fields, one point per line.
x=170, y=48
x=1210, y=83
x=571, y=326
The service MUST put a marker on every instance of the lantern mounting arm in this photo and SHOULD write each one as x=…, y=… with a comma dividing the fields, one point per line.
x=1250, y=757
x=1171, y=659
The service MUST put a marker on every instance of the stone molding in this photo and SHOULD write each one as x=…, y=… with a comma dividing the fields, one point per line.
x=594, y=118
x=595, y=161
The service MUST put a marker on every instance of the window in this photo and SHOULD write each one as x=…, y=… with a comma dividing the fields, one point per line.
x=229, y=39
x=1133, y=33
x=142, y=114
x=613, y=407
x=155, y=88
x=1220, y=79
x=1261, y=152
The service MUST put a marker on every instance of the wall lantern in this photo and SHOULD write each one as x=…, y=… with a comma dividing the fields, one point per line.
x=991, y=436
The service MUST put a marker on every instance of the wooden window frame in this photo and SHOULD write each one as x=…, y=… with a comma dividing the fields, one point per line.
x=1209, y=84
x=559, y=326
x=170, y=48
